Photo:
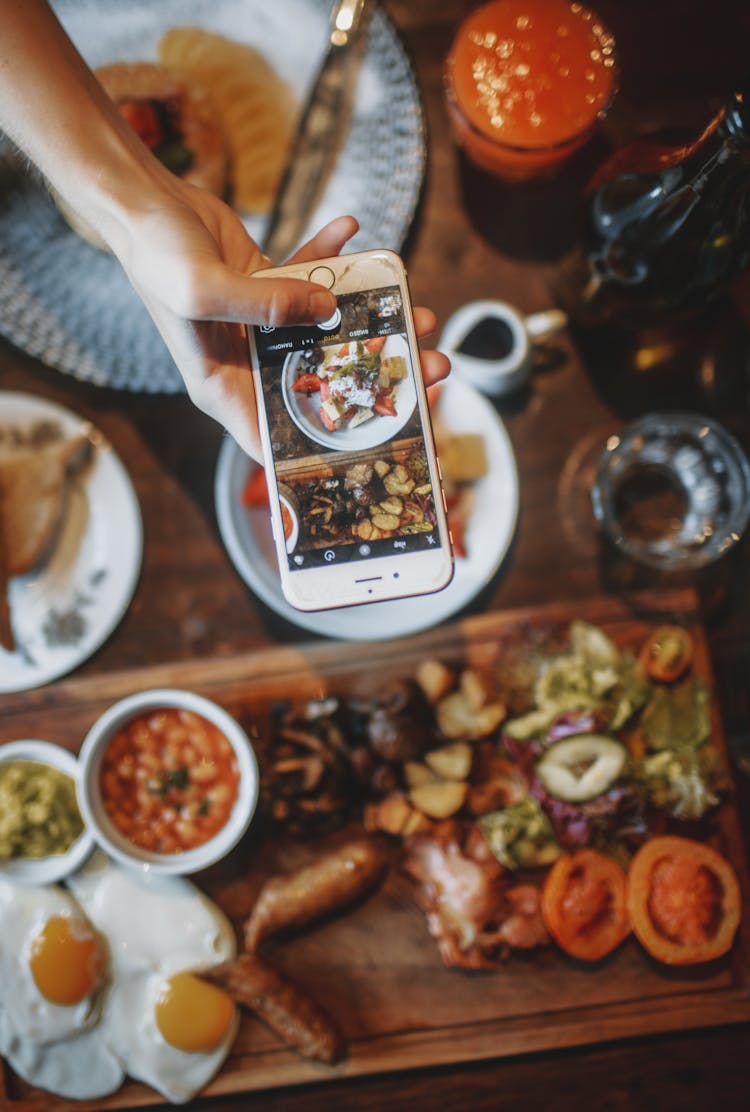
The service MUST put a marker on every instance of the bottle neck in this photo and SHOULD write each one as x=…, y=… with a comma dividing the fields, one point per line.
x=727, y=131
x=737, y=117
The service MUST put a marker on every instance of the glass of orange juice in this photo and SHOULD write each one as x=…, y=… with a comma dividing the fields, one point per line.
x=526, y=83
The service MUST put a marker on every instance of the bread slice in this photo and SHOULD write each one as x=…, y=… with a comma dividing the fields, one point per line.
x=33, y=489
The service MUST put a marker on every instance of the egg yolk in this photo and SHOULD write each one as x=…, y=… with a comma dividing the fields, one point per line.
x=67, y=960
x=193, y=1015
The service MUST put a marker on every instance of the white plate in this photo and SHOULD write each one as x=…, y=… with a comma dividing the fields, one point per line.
x=71, y=306
x=304, y=409
x=65, y=609
x=247, y=534
x=46, y=870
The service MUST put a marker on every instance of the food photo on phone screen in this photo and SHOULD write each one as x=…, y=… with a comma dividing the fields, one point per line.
x=349, y=449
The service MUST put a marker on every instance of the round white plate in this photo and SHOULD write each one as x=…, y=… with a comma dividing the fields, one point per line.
x=247, y=534
x=71, y=306
x=304, y=408
x=65, y=609
x=46, y=870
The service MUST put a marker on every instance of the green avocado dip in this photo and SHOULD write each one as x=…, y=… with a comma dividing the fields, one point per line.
x=39, y=814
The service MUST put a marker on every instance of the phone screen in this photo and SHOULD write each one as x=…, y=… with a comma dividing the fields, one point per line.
x=346, y=436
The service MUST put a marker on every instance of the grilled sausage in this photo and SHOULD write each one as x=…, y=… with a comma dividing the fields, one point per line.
x=332, y=882
x=282, y=1005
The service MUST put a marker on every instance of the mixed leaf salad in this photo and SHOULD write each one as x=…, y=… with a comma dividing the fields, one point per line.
x=610, y=731
x=354, y=382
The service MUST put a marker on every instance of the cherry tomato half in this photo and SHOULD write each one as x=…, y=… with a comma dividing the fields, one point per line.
x=255, y=490
x=308, y=383
x=683, y=900
x=385, y=406
x=667, y=654
x=584, y=904
x=143, y=117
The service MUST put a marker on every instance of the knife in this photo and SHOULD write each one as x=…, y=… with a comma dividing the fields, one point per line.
x=319, y=134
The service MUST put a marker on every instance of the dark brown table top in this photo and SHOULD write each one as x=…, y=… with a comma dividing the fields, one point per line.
x=473, y=239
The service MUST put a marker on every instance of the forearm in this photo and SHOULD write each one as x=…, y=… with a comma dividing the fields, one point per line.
x=55, y=111
x=186, y=253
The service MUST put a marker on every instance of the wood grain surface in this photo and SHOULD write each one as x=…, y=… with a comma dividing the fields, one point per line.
x=376, y=969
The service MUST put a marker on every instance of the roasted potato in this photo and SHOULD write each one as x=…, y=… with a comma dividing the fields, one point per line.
x=451, y=762
x=435, y=679
x=439, y=799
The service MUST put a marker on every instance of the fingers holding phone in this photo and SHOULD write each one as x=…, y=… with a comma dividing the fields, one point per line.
x=347, y=442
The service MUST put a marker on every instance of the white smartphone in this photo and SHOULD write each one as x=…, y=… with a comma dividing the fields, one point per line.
x=357, y=508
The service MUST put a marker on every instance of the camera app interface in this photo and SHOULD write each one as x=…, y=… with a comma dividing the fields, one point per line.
x=346, y=436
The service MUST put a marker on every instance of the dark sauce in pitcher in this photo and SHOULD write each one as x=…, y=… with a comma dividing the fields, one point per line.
x=490, y=339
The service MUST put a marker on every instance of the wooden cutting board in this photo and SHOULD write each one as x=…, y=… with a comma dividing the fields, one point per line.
x=376, y=969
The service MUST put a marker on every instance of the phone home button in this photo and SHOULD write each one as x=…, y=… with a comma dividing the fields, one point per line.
x=323, y=275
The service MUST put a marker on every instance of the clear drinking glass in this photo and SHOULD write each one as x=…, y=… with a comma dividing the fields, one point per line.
x=672, y=490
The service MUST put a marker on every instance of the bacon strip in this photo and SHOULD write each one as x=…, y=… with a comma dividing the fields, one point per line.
x=474, y=910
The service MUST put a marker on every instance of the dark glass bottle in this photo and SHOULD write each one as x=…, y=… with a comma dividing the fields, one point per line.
x=667, y=227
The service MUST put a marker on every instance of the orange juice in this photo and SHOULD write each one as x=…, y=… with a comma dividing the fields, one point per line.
x=526, y=82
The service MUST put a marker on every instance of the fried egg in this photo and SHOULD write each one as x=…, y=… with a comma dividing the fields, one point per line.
x=168, y=1028
x=52, y=963
x=53, y=972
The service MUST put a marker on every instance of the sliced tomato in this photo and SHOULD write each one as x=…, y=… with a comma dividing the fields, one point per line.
x=255, y=490
x=328, y=422
x=667, y=654
x=375, y=343
x=434, y=394
x=142, y=116
x=584, y=904
x=683, y=899
x=457, y=528
x=457, y=524
x=342, y=351
x=307, y=384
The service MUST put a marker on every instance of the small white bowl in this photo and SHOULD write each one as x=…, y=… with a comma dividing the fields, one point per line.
x=104, y=831
x=47, y=870
x=289, y=503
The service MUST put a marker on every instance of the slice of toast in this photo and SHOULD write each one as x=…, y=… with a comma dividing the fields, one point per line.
x=33, y=488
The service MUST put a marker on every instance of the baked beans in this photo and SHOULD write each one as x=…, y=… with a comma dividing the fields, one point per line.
x=286, y=521
x=169, y=780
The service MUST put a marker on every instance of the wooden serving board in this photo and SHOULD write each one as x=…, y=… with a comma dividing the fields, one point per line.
x=376, y=969
x=329, y=463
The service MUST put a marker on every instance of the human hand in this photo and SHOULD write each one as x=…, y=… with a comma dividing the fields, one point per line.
x=186, y=253
x=199, y=275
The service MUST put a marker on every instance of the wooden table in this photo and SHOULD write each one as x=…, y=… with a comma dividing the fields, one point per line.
x=473, y=239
